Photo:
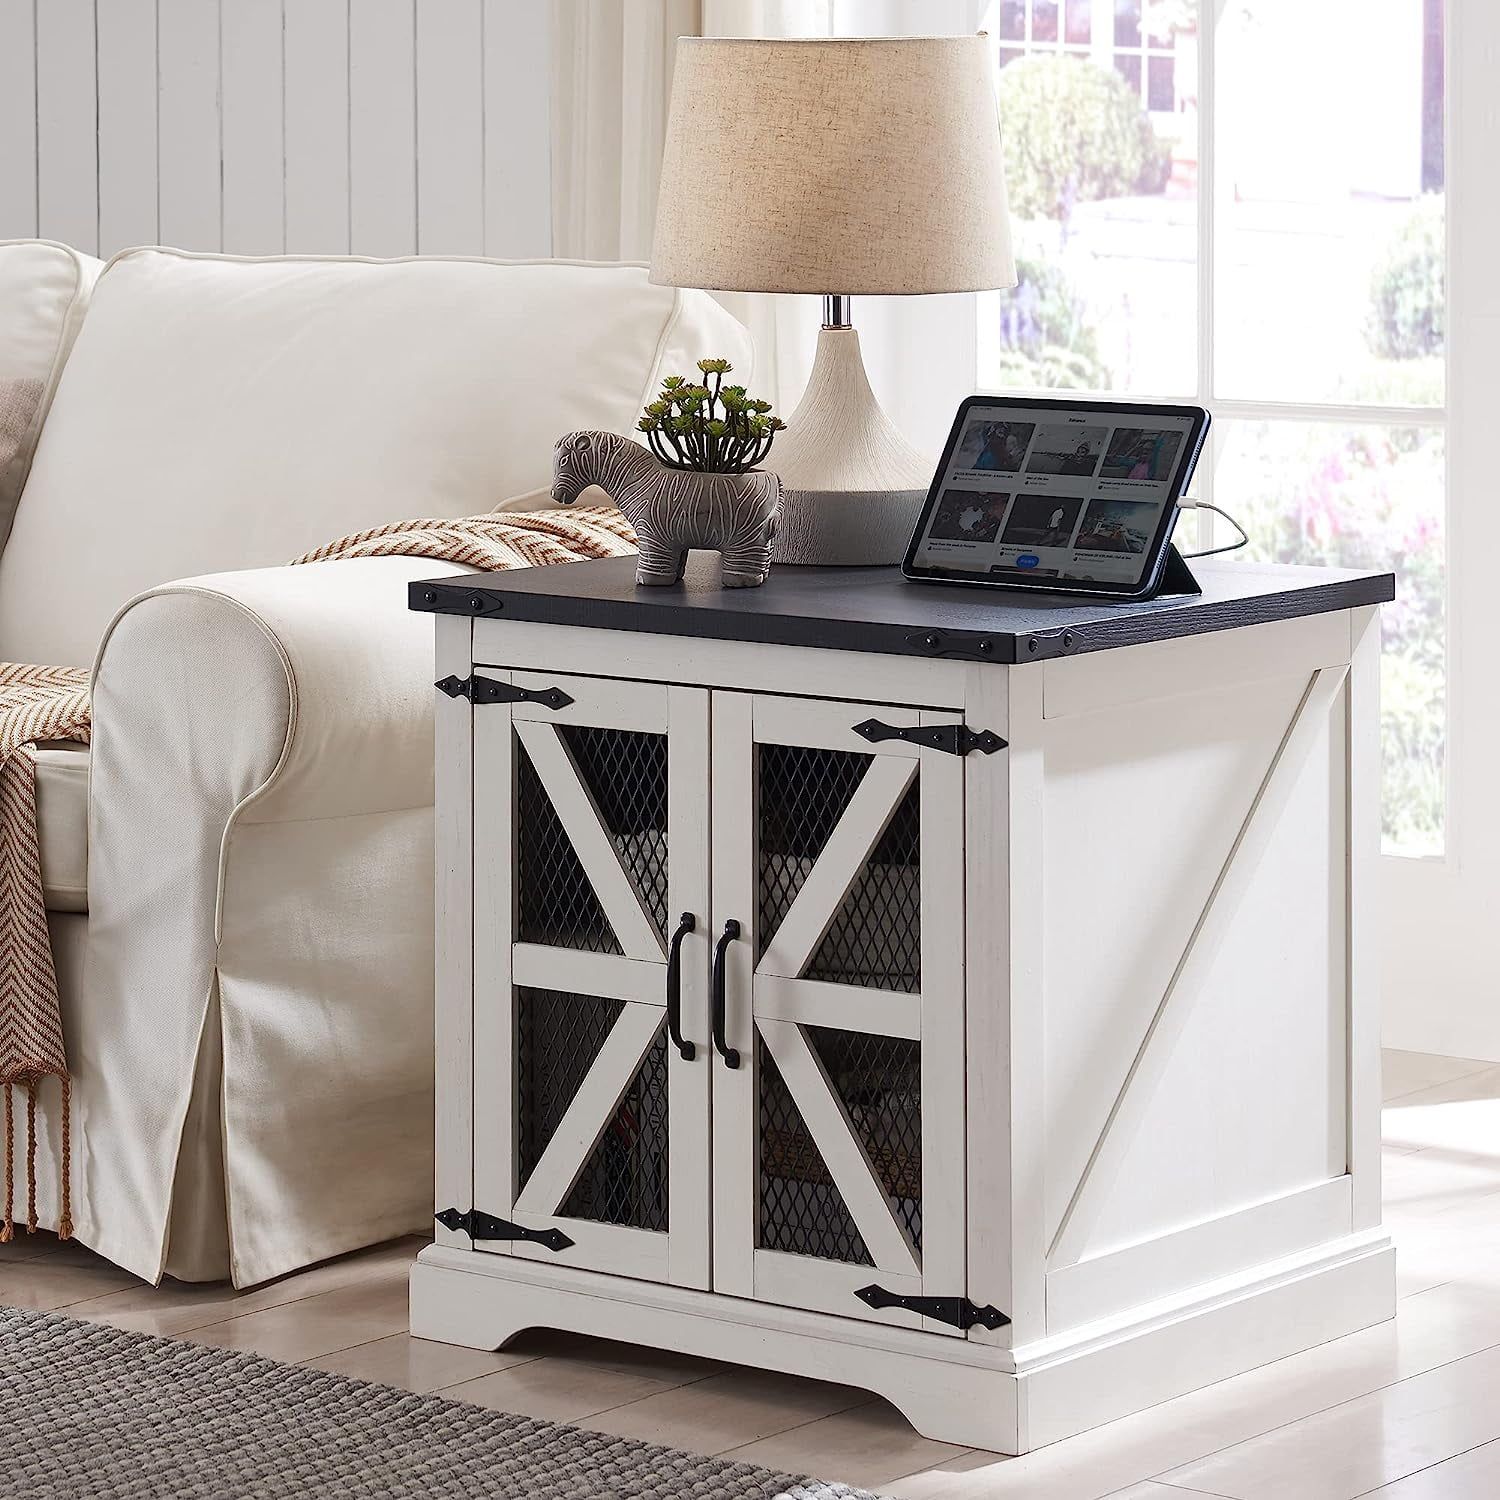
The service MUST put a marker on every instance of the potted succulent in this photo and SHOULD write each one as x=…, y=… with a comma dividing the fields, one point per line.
x=695, y=484
x=709, y=428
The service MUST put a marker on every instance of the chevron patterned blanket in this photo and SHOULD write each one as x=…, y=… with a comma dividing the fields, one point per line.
x=36, y=704
x=39, y=704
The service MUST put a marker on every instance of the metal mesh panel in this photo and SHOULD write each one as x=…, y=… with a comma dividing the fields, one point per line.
x=875, y=939
x=803, y=793
x=626, y=773
x=558, y=1037
x=624, y=1181
x=801, y=1210
x=879, y=1080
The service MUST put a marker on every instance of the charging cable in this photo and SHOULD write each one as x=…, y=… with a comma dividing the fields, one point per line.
x=1244, y=540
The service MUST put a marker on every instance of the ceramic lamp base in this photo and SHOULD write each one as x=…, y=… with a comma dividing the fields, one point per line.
x=845, y=527
x=852, y=484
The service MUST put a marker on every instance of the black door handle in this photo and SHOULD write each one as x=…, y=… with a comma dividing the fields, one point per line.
x=730, y=1054
x=674, y=987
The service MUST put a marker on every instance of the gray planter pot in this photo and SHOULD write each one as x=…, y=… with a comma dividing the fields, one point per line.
x=674, y=511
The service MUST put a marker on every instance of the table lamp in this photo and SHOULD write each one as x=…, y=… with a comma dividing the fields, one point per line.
x=839, y=167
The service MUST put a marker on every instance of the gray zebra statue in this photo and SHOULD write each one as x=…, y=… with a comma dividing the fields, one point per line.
x=673, y=510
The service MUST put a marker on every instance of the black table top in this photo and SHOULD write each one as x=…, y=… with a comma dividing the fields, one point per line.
x=875, y=609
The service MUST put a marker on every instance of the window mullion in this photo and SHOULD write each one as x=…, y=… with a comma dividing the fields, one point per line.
x=1208, y=21
x=1102, y=35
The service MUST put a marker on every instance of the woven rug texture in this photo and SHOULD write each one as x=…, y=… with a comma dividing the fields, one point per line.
x=99, y=1412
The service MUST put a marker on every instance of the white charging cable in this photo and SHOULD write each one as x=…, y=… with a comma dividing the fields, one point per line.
x=1244, y=540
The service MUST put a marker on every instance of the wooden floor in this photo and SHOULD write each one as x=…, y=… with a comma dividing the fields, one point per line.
x=1406, y=1411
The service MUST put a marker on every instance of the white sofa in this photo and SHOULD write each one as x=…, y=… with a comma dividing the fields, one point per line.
x=238, y=871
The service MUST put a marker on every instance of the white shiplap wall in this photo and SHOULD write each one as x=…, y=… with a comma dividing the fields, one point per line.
x=377, y=127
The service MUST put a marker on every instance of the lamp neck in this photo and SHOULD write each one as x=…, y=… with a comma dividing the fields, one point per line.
x=836, y=311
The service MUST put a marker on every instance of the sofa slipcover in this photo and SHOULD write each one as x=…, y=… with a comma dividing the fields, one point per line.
x=248, y=997
x=44, y=290
x=62, y=817
x=220, y=412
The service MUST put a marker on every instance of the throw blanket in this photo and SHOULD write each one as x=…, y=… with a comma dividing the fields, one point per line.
x=36, y=704
x=52, y=703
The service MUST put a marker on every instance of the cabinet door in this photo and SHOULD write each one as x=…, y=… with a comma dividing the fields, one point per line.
x=591, y=846
x=839, y=1136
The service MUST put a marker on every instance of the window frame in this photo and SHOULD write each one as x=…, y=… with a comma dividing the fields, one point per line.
x=1103, y=46
x=1205, y=531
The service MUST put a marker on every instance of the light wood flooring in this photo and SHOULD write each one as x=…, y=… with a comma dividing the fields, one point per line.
x=1406, y=1411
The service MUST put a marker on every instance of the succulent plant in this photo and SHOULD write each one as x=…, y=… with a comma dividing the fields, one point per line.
x=707, y=425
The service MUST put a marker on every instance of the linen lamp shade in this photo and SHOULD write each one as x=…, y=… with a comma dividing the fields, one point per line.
x=867, y=165
x=841, y=167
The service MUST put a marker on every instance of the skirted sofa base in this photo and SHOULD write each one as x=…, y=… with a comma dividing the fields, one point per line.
x=243, y=928
x=260, y=836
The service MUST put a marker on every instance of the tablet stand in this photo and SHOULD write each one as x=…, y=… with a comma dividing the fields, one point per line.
x=1176, y=577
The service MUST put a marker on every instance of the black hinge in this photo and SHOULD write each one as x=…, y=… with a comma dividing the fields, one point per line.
x=479, y=689
x=955, y=739
x=958, y=1311
x=479, y=1225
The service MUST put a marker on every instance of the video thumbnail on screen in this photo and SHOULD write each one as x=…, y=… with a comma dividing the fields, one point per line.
x=968, y=516
x=994, y=445
x=1117, y=526
x=1066, y=449
x=1140, y=453
x=1041, y=521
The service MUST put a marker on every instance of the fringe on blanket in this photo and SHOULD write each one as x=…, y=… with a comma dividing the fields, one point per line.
x=38, y=704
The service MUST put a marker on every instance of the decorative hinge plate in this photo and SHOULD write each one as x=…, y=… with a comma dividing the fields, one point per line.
x=479, y=1225
x=958, y=1311
x=953, y=739
x=479, y=689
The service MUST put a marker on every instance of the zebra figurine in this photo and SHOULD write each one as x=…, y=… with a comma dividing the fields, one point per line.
x=673, y=510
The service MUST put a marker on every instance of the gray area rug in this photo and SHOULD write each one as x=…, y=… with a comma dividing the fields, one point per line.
x=93, y=1411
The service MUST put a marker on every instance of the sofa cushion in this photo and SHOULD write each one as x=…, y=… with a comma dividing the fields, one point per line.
x=44, y=289
x=223, y=413
x=62, y=816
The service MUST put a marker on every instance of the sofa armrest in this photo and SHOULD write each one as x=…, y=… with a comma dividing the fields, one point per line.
x=260, y=879
x=299, y=692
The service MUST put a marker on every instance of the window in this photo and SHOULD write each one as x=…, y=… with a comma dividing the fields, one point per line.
x=1241, y=204
x=1137, y=38
x=1045, y=25
x=1144, y=49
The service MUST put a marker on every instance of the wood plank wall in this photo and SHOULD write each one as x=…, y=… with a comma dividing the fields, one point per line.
x=372, y=127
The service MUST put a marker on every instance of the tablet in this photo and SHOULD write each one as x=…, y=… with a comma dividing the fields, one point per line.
x=1075, y=497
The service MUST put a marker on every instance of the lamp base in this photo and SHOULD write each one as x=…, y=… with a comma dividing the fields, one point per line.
x=852, y=484
x=845, y=528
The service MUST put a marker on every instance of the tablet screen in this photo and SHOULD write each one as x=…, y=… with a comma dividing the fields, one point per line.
x=1059, y=492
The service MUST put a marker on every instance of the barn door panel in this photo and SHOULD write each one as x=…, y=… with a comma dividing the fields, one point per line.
x=839, y=1138
x=591, y=849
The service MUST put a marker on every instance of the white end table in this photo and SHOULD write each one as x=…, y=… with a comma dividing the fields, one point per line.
x=967, y=997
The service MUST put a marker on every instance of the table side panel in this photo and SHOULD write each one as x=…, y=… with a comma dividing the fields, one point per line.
x=1193, y=664
x=1195, y=1008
